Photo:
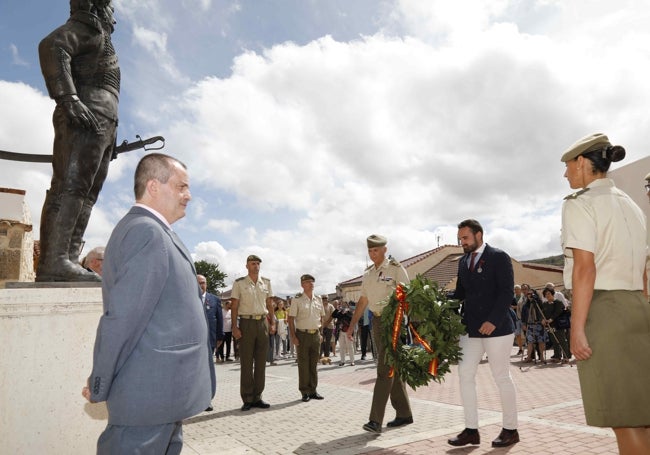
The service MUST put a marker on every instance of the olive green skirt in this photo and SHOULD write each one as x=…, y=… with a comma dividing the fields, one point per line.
x=615, y=381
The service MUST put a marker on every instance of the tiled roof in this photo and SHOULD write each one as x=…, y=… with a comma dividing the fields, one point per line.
x=445, y=271
x=405, y=262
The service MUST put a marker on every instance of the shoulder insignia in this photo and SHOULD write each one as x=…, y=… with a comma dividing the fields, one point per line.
x=393, y=261
x=576, y=194
x=298, y=295
x=240, y=278
x=265, y=278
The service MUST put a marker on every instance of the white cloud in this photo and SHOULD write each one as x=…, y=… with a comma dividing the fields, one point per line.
x=16, y=58
x=26, y=127
x=224, y=226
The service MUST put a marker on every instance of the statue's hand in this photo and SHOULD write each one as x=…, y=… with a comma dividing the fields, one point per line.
x=78, y=113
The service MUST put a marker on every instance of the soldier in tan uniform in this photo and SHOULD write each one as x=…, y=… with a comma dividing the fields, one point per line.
x=306, y=315
x=251, y=302
x=379, y=281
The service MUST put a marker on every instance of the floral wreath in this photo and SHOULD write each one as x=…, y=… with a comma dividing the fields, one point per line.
x=422, y=310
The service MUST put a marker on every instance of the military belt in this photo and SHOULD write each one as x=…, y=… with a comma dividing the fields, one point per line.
x=257, y=317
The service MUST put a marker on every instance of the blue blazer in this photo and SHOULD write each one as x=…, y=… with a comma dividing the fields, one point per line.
x=152, y=362
x=215, y=318
x=487, y=292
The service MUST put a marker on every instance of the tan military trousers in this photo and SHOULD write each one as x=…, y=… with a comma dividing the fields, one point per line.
x=385, y=386
x=253, y=348
x=308, y=353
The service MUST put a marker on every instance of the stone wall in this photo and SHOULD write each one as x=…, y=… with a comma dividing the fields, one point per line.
x=47, y=337
x=16, y=239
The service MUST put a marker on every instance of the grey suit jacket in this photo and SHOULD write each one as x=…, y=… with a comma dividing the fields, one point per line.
x=152, y=362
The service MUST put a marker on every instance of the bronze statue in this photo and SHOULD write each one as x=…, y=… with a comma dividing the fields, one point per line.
x=82, y=75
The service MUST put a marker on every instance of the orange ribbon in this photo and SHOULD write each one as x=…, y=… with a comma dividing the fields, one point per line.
x=433, y=365
x=397, y=322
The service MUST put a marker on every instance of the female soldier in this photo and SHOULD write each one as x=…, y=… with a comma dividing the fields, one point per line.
x=604, y=243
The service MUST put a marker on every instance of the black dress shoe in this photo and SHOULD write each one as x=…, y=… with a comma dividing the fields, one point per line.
x=316, y=396
x=399, y=421
x=247, y=406
x=372, y=427
x=209, y=408
x=261, y=404
x=305, y=398
x=467, y=436
x=506, y=438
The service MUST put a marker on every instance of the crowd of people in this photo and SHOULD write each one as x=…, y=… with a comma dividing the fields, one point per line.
x=543, y=322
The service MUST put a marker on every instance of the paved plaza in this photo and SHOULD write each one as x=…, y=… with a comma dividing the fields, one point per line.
x=551, y=419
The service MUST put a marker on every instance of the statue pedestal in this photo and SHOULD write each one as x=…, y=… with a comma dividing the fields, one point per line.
x=47, y=337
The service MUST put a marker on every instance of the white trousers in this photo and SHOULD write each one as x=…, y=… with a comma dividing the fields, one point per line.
x=498, y=350
x=346, y=346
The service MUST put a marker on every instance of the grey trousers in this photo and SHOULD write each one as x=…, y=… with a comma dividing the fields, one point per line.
x=164, y=439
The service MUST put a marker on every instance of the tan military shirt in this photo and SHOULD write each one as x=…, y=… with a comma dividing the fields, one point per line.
x=307, y=312
x=605, y=221
x=329, y=309
x=378, y=283
x=251, y=295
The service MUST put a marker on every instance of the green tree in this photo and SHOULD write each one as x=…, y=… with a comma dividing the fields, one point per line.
x=212, y=274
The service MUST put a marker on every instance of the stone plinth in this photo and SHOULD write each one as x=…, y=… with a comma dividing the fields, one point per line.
x=16, y=240
x=47, y=338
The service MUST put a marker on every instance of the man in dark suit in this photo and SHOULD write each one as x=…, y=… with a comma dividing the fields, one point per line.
x=485, y=282
x=212, y=306
x=152, y=363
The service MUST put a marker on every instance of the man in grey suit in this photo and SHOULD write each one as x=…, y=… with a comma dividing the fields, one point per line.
x=152, y=362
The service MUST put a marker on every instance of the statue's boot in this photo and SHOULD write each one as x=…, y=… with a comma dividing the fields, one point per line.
x=58, y=220
x=76, y=240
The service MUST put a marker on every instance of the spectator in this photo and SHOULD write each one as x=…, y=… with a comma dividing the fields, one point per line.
x=517, y=304
x=212, y=306
x=270, y=317
x=328, y=330
x=227, y=333
x=366, y=334
x=557, y=295
x=94, y=260
x=283, y=329
x=552, y=309
x=343, y=315
x=532, y=318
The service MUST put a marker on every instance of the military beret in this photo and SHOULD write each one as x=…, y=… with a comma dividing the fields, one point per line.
x=253, y=257
x=586, y=144
x=307, y=277
x=376, y=240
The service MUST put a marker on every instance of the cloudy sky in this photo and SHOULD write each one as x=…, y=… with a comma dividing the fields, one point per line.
x=307, y=125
